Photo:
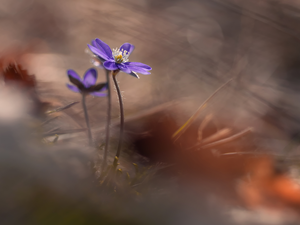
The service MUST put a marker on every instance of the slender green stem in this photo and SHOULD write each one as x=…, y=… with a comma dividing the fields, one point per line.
x=121, y=113
x=108, y=119
x=87, y=119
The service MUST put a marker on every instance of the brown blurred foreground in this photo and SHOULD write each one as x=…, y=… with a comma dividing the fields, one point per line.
x=220, y=162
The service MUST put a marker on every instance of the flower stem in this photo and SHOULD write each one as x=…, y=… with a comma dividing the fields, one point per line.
x=107, y=120
x=87, y=119
x=121, y=113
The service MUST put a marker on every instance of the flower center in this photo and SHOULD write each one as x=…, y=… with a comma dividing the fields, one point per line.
x=120, y=56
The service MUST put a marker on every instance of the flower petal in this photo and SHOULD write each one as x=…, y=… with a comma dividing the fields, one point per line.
x=110, y=65
x=73, y=88
x=104, y=47
x=138, y=69
x=134, y=74
x=90, y=78
x=73, y=74
x=97, y=87
x=98, y=94
x=138, y=64
x=75, y=79
x=94, y=43
x=99, y=53
x=127, y=47
x=124, y=68
x=104, y=88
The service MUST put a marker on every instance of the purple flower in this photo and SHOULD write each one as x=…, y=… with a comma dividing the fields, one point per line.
x=87, y=85
x=117, y=59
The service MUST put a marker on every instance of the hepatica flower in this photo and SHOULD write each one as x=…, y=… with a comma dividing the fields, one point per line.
x=117, y=59
x=87, y=85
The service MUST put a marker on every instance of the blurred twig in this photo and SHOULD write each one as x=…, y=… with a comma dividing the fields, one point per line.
x=223, y=133
x=218, y=135
x=229, y=139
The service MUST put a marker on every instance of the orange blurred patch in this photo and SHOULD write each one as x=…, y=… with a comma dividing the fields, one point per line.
x=13, y=73
x=232, y=168
x=263, y=186
x=15, y=76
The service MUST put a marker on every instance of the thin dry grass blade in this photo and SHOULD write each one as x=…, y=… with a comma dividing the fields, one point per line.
x=183, y=128
x=203, y=124
x=49, y=120
x=62, y=108
x=56, y=131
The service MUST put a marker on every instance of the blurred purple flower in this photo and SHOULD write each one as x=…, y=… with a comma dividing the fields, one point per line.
x=87, y=85
x=117, y=59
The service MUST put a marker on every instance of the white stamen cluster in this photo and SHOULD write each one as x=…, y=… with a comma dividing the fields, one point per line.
x=120, y=56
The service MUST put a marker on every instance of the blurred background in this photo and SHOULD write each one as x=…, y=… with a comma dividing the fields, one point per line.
x=193, y=46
